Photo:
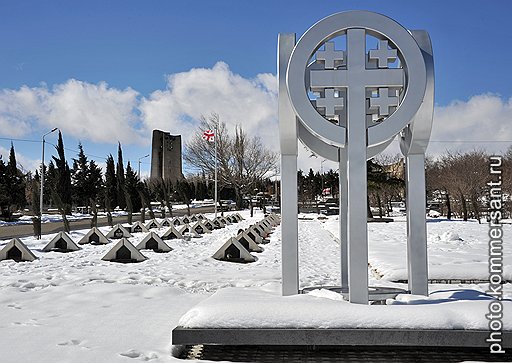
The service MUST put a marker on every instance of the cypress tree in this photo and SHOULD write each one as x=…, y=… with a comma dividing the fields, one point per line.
x=111, y=182
x=120, y=179
x=80, y=178
x=62, y=184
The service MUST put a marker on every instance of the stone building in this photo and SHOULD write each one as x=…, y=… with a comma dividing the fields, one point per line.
x=166, y=156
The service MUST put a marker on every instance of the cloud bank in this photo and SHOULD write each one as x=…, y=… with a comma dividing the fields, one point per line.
x=103, y=114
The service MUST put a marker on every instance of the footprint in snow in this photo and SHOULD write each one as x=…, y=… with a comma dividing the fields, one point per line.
x=133, y=353
x=31, y=322
x=73, y=343
x=14, y=306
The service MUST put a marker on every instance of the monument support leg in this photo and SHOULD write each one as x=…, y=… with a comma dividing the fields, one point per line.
x=417, y=265
x=357, y=234
x=289, y=225
x=288, y=140
x=343, y=217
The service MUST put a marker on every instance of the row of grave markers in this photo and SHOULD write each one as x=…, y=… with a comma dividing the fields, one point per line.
x=124, y=251
x=239, y=248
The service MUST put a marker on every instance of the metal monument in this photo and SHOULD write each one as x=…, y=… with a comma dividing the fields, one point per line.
x=347, y=88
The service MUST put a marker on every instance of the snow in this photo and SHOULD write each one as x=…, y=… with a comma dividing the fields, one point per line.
x=457, y=250
x=74, y=307
x=255, y=308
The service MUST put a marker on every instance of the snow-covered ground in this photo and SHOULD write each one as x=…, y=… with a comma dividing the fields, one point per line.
x=75, y=307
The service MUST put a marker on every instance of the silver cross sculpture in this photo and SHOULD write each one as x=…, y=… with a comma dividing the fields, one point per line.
x=374, y=96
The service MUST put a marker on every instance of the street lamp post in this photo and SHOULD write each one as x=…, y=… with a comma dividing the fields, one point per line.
x=142, y=157
x=42, y=184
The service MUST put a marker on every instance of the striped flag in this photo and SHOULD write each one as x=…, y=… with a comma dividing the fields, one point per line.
x=209, y=135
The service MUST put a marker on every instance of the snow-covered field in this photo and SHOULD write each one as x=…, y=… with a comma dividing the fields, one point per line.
x=74, y=307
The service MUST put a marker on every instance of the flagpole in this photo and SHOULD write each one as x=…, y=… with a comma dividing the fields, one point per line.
x=215, y=147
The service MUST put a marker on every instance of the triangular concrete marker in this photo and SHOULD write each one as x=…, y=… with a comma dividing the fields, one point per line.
x=166, y=222
x=61, y=243
x=254, y=235
x=239, y=217
x=95, y=237
x=17, y=251
x=217, y=223
x=172, y=233
x=261, y=231
x=208, y=224
x=152, y=224
x=193, y=218
x=177, y=222
x=138, y=227
x=225, y=220
x=232, y=219
x=200, y=217
x=249, y=244
x=153, y=242
x=185, y=220
x=233, y=251
x=266, y=229
x=200, y=228
x=186, y=229
x=124, y=252
x=118, y=231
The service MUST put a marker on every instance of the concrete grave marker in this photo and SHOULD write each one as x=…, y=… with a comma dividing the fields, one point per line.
x=165, y=223
x=95, y=237
x=124, y=252
x=62, y=242
x=153, y=242
x=152, y=224
x=186, y=229
x=248, y=243
x=138, y=227
x=118, y=231
x=172, y=233
x=233, y=251
x=17, y=251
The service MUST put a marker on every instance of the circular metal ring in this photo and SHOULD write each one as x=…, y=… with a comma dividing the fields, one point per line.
x=338, y=24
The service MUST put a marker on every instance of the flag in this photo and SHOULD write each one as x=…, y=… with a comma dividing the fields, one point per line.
x=209, y=135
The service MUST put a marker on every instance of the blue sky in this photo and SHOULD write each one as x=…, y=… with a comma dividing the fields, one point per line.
x=138, y=61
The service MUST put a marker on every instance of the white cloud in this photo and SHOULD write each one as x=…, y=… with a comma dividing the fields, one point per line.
x=99, y=113
x=252, y=103
x=94, y=112
x=485, y=117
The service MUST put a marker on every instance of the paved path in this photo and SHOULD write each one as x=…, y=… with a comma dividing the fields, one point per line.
x=25, y=230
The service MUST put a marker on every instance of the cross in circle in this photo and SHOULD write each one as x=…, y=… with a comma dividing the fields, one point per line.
x=329, y=56
x=383, y=102
x=330, y=102
x=383, y=54
x=356, y=77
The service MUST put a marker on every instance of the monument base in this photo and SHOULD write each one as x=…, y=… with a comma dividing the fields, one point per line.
x=336, y=337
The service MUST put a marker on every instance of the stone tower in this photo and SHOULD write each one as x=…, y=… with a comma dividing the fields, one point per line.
x=166, y=156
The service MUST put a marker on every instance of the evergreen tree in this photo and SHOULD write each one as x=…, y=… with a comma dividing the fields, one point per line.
x=110, y=183
x=4, y=190
x=120, y=179
x=86, y=179
x=80, y=178
x=15, y=182
x=95, y=180
x=133, y=202
x=62, y=185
